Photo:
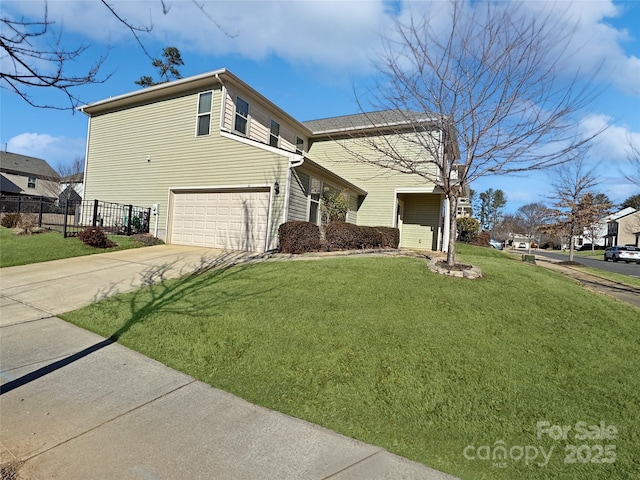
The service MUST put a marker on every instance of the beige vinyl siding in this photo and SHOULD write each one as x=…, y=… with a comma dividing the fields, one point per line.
x=352, y=213
x=43, y=188
x=298, y=196
x=420, y=221
x=260, y=121
x=378, y=207
x=137, y=155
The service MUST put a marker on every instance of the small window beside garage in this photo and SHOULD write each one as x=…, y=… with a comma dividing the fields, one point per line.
x=204, y=114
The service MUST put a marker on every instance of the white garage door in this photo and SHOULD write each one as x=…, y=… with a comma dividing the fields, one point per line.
x=235, y=220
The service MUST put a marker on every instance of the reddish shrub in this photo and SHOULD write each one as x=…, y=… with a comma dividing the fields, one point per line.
x=390, y=237
x=482, y=239
x=95, y=237
x=299, y=237
x=347, y=236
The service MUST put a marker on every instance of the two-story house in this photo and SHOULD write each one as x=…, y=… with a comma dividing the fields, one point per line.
x=224, y=166
x=28, y=176
x=623, y=228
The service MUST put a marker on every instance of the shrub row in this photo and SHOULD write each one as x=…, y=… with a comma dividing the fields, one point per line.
x=300, y=237
x=347, y=236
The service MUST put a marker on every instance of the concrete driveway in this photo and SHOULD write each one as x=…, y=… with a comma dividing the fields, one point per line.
x=74, y=405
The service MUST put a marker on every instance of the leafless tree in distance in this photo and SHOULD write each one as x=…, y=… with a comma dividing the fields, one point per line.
x=572, y=184
x=532, y=217
x=492, y=84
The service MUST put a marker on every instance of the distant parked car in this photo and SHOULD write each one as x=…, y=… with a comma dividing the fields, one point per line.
x=625, y=253
x=522, y=245
x=495, y=244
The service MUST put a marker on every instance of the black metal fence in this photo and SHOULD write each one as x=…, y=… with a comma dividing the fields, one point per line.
x=71, y=217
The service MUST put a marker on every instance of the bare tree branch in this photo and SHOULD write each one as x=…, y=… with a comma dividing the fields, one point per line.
x=490, y=86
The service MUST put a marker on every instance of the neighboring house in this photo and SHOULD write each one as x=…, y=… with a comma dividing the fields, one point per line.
x=624, y=228
x=600, y=232
x=224, y=167
x=72, y=188
x=24, y=175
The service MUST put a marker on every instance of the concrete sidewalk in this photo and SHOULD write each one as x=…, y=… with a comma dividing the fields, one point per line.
x=77, y=406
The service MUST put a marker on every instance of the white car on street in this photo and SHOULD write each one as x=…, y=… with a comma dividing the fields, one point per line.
x=624, y=253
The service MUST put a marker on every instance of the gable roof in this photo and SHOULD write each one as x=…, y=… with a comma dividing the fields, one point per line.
x=7, y=186
x=364, y=121
x=23, y=164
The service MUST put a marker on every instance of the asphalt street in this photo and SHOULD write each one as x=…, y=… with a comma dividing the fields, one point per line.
x=631, y=269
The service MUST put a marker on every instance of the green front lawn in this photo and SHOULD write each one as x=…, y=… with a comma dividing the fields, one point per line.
x=436, y=369
x=24, y=249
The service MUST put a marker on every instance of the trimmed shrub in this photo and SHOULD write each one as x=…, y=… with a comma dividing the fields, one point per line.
x=11, y=220
x=482, y=239
x=468, y=229
x=343, y=236
x=95, y=237
x=147, y=239
x=347, y=236
x=299, y=237
x=390, y=236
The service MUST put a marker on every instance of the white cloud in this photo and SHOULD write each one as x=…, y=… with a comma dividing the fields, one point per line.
x=335, y=34
x=590, y=44
x=57, y=151
x=318, y=32
x=613, y=144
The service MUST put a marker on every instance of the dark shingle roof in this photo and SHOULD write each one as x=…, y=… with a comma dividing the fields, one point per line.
x=15, y=163
x=362, y=121
x=7, y=186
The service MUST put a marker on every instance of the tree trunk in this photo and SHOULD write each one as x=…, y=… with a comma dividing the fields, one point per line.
x=571, y=232
x=451, y=248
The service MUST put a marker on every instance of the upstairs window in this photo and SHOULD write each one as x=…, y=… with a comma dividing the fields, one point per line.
x=242, y=116
x=274, y=134
x=204, y=114
x=299, y=145
x=31, y=182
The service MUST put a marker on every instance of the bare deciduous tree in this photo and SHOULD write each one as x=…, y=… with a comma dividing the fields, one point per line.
x=633, y=156
x=28, y=65
x=532, y=218
x=571, y=184
x=490, y=84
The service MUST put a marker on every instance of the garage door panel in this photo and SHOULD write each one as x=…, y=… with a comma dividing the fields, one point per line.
x=232, y=220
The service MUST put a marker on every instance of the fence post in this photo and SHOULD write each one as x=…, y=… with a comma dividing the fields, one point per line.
x=148, y=220
x=19, y=196
x=64, y=223
x=129, y=220
x=95, y=212
x=40, y=212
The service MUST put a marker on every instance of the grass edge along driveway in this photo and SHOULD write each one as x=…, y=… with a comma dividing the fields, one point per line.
x=43, y=247
x=441, y=370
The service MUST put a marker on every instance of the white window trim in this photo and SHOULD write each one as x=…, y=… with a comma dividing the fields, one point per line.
x=319, y=201
x=271, y=135
x=198, y=114
x=247, y=118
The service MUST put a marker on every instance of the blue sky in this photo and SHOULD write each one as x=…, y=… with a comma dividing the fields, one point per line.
x=307, y=57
